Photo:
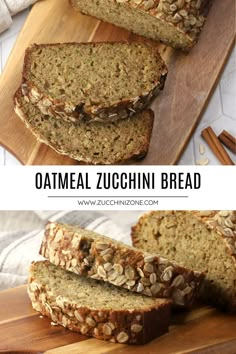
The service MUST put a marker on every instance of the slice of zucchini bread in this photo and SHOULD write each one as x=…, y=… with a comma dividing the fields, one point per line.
x=177, y=23
x=96, y=309
x=201, y=240
x=89, y=142
x=87, y=253
x=101, y=81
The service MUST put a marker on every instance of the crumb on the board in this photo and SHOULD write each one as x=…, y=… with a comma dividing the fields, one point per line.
x=54, y=324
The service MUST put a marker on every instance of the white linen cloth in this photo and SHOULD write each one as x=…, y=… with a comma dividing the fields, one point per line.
x=9, y=8
x=19, y=248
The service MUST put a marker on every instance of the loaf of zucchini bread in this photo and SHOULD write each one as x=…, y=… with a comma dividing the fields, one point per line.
x=96, y=309
x=89, y=142
x=93, y=255
x=177, y=23
x=92, y=81
x=201, y=240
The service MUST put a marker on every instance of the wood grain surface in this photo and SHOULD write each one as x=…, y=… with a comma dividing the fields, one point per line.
x=190, y=82
x=202, y=330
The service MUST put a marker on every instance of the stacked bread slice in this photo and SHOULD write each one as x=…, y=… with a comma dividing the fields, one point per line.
x=90, y=100
x=103, y=288
x=96, y=309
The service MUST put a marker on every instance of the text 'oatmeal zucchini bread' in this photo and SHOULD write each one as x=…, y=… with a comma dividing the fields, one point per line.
x=101, y=81
x=201, y=240
x=90, y=254
x=96, y=309
x=89, y=142
x=177, y=23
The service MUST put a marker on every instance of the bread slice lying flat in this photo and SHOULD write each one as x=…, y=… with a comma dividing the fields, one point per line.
x=101, y=81
x=96, y=309
x=92, y=143
x=175, y=23
x=88, y=253
x=204, y=240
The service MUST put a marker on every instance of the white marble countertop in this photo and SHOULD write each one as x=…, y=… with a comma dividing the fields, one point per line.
x=220, y=113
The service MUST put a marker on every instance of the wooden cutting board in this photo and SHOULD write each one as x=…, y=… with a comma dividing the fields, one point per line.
x=203, y=330
x=191, y=78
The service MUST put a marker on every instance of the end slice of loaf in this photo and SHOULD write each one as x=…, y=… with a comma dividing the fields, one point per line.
x=175, y=23
x=88, y=253
x=101, y=81
x=201, y=240
x=89, y=142
x=96, y=309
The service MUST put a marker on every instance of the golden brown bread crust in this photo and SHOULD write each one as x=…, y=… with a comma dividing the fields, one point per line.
x=99, y=257
x=122, y=109
x=131, y=327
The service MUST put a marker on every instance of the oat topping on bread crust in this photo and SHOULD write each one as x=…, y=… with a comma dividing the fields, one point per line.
x=93, y=255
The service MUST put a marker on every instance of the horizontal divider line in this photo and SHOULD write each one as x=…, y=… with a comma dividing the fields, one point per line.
x=117, y=196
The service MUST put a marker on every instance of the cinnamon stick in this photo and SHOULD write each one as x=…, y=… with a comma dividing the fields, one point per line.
x=216, y=146
x=228, y=140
